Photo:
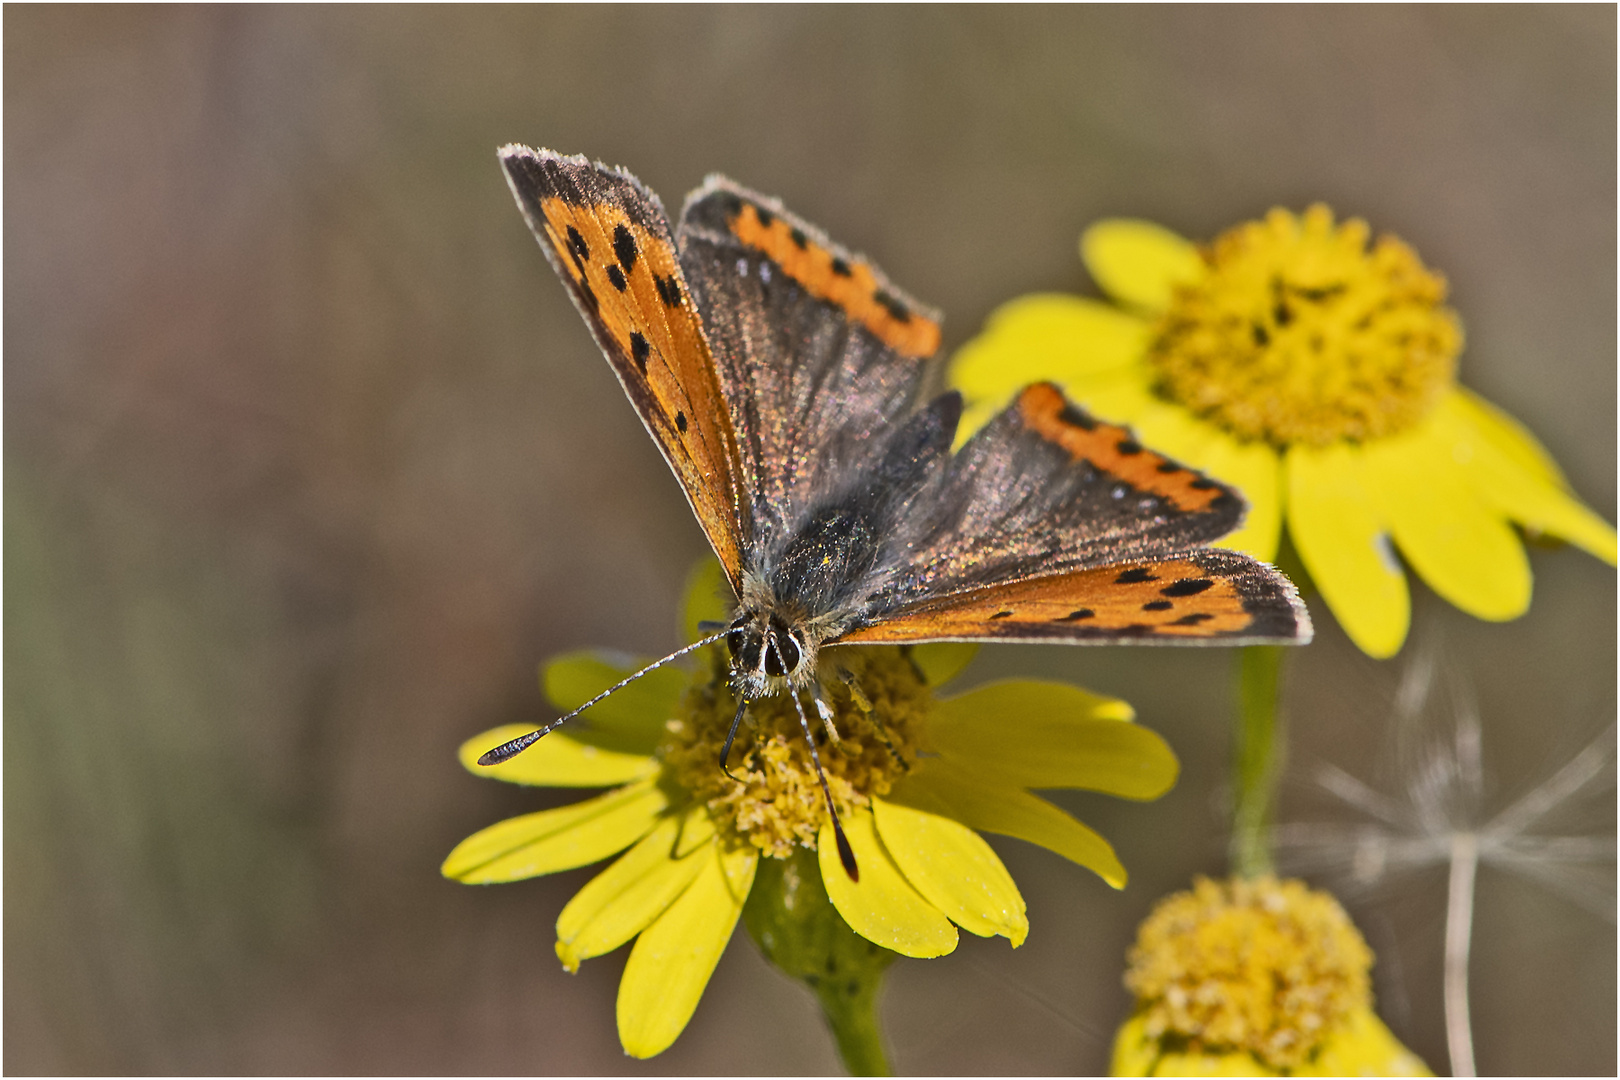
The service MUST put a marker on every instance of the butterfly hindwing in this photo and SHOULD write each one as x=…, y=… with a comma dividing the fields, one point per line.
x=1053, y=525
x=610, y=241
x=1205, y=594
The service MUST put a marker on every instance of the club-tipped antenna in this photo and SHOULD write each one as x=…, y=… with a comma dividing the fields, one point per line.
x=731, y=733
x=846, y=854
x=523, y=742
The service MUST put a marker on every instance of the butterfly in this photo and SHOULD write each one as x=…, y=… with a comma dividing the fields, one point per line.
x=786, y=381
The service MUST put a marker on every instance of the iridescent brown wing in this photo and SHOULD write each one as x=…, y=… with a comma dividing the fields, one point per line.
x=819, y=354
x=1052, y=525
x=609, y=240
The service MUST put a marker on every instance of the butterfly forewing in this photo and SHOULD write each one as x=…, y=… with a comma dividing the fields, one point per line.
x=609, y=240
x=818, y=353
x=1053, y=525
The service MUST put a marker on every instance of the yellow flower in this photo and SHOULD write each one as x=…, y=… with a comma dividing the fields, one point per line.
x=1316, y=373
x=1254, y=978
x=913, y=776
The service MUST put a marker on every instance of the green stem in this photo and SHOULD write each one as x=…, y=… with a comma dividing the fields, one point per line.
x=851, y=1011
x=800, y=932
x=1258, y=760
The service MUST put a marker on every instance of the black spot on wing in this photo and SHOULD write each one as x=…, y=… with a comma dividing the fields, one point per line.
x=841, y=268
x=669, y=290
x=624, y=248
x=1128, y=447
x=1157, y=605
x=639, y=351
x=1002, y=615
x=616, y=276
x=1135, y=576
x=799, y=239
x=1075, y=418
x=1187, y=586
x=1194, y=619
x=680, y=422
x=1076, y=616
x=577, y=246
x=895, y=308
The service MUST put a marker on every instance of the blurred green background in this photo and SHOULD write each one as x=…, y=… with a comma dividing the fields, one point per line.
x=309, y=461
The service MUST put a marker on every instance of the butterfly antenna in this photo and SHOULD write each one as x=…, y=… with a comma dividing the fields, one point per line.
x=523, y=742
x=725, y=751
x=846, y=854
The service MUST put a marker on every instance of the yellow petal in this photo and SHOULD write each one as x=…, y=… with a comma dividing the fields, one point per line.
x=632, y=719
x=1139, y=262
x=672, y=960
x=707, y=598
x=1340, y=536
x=624, y=899
x=560, y=839
x=1361, y=1045
x=1124, y=397
x=558, y=760
x=1507, y=434
x=1045, y=336
x=1252, y=468
x=882, y=907
x=1510, y=472
x=942, y=661
x=1190, y=1062
x=1053, y=735
x=1462, y=547
x=1135, y=1051
x=954, y=869
x=983, y=801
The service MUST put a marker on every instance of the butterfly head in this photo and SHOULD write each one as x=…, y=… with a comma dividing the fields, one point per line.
x=768, y=652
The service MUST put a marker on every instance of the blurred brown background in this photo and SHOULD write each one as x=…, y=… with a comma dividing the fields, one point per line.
x=308, y=462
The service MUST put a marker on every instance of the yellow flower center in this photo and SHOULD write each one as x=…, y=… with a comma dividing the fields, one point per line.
x=775, y=802
x=1260, y=965
x=1299, y=333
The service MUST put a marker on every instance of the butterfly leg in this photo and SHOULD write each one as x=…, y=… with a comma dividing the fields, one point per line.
x=868, y=710
x=819, y=694
x=731, y=734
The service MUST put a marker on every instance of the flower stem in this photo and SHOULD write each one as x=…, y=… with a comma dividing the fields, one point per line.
x=800, y=932
x=1258, y=758
x=1459, y=930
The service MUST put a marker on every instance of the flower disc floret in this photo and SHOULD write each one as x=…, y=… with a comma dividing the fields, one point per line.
x=772, y=798
x=1301, y=333
x=1260, y=965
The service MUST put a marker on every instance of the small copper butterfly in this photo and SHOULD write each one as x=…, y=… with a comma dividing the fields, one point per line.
x=785, y=378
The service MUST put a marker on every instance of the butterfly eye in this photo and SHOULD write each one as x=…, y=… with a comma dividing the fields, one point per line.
x=773, y=659
x=784, y=653
x=734, y=640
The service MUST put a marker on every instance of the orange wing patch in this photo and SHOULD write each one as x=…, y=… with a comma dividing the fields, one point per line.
x=1046, y=412
x=628, y=280
x=848, y=283
x=1169, y=600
